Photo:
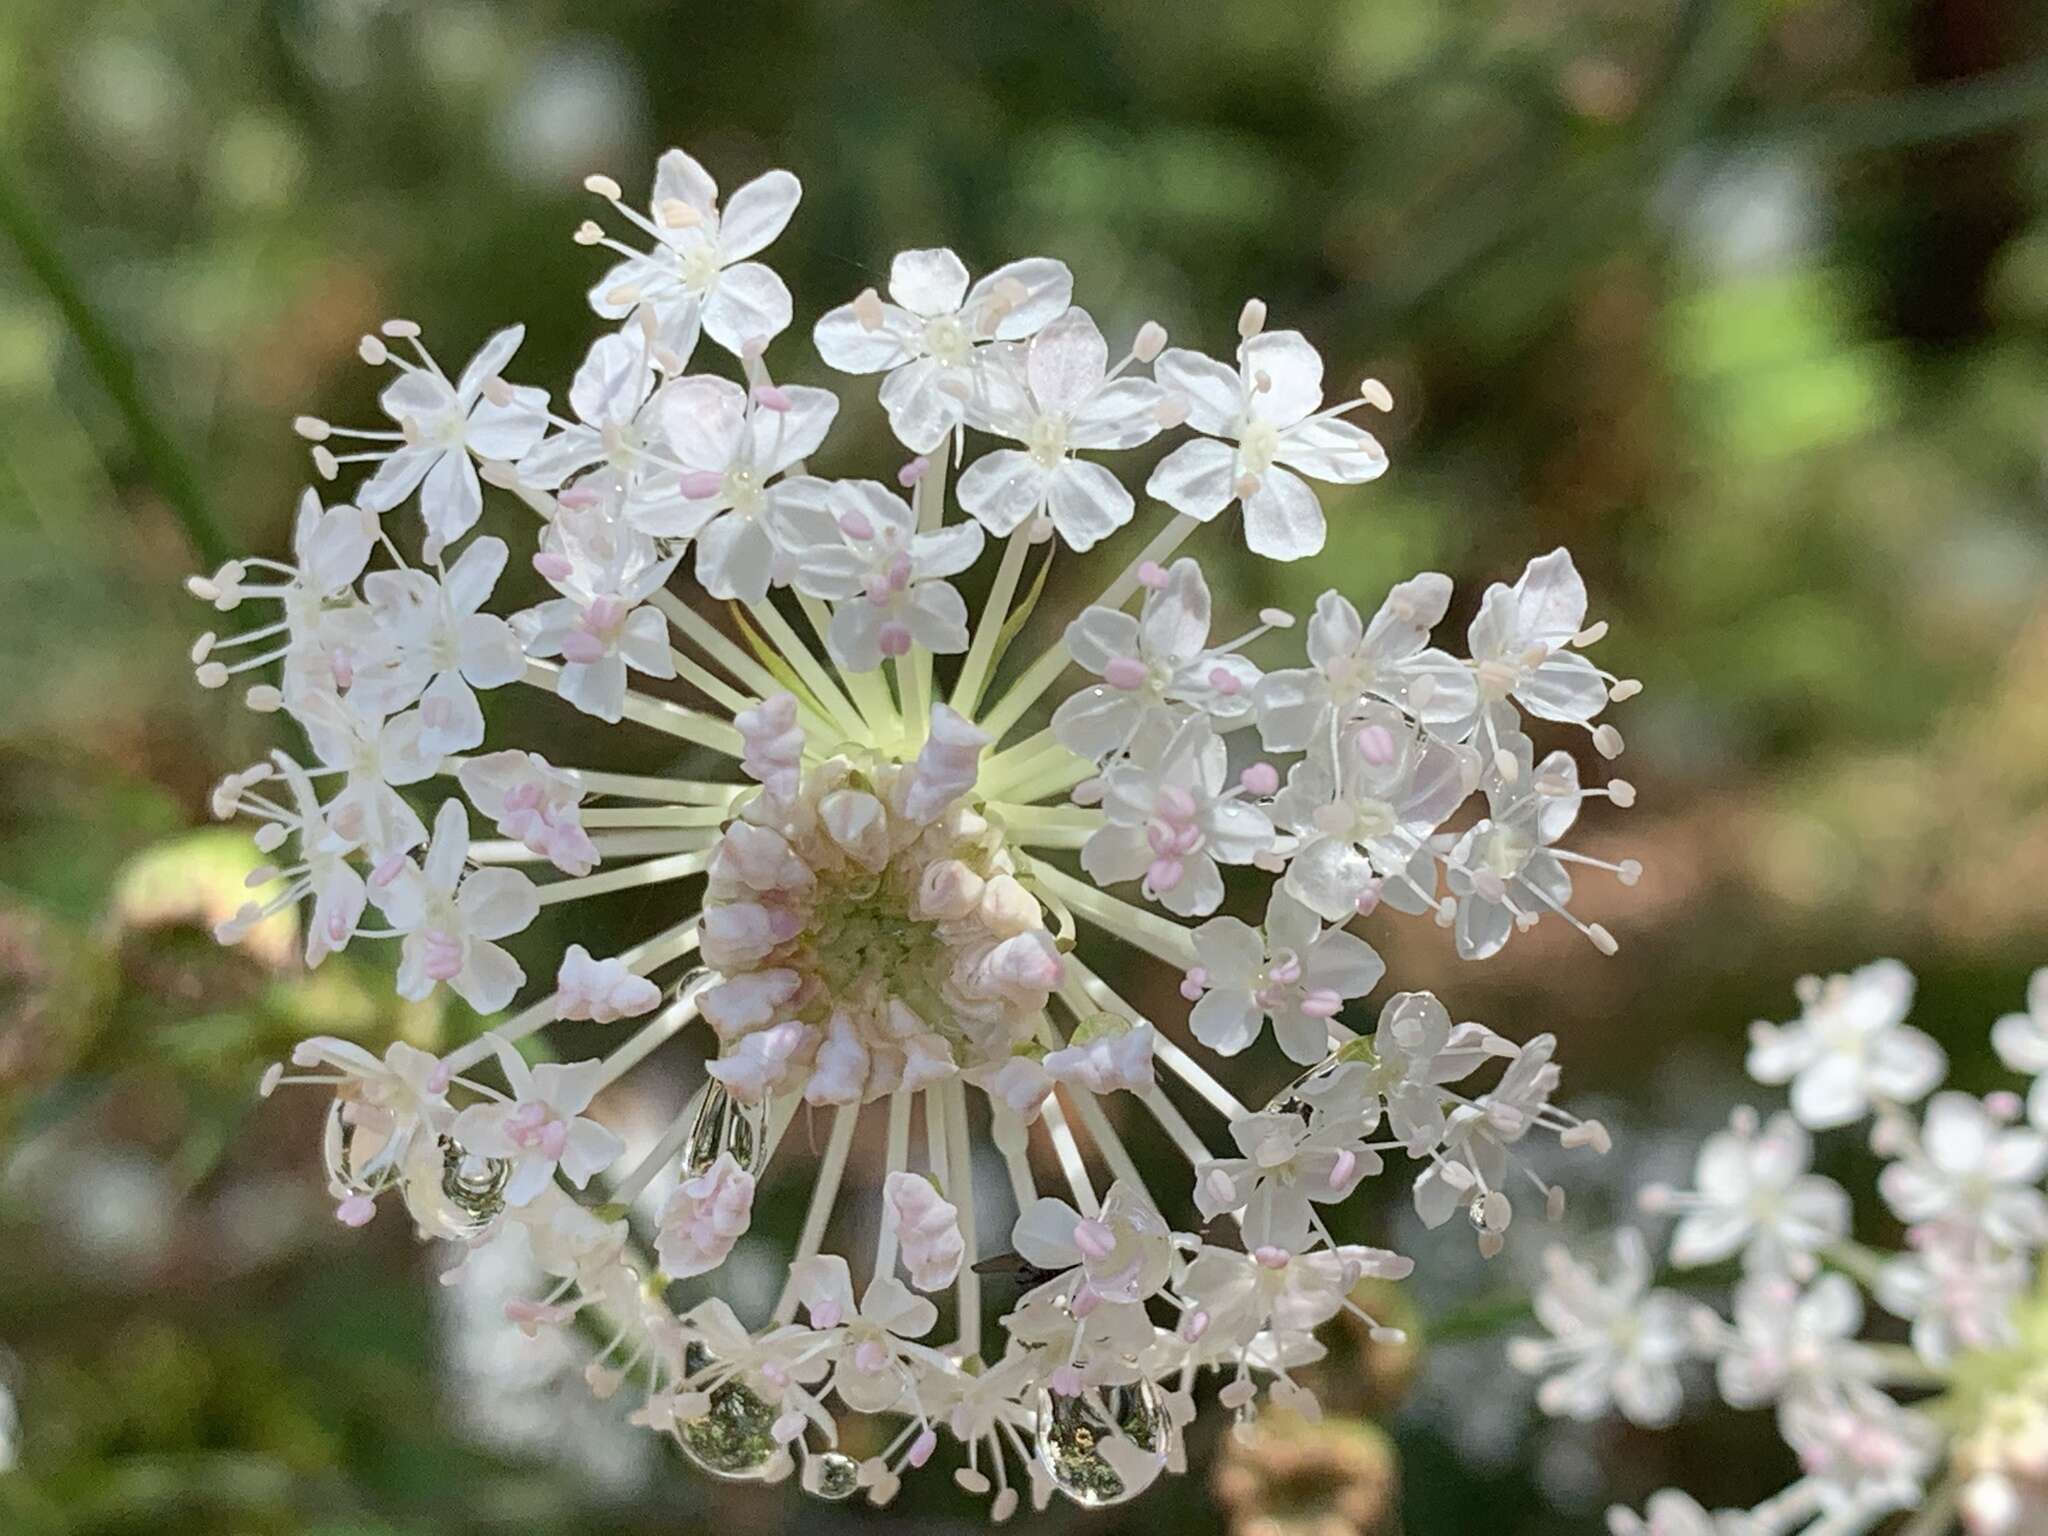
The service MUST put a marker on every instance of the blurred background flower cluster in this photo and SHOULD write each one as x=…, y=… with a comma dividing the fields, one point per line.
x=1744, y=300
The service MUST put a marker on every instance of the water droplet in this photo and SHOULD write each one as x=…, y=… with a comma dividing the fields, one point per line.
x=464, y=1199
x=831, y=1475
x=357, y=1149
x=722, y=1125
x=1104, y=1446
x=735, y=1437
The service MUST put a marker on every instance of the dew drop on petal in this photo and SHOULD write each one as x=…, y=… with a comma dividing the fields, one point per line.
x=1102, y=1446
x=722, y=1125
x=735, y=1436
x=831, y=1475
x=356, y=1153
x=465, y=1201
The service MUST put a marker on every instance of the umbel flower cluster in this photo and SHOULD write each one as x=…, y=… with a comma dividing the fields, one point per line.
x=885, y=888
x=1950, y=1419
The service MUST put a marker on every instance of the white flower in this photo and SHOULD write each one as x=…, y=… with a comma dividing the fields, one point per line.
x=1971, y=1171
x=1268, y=412
x=1416, y=1051
x=443, y=647
x=732, y=444
x=1124, y=1252
x=379, y=756
x=450, y=918
x=1294, y=972
x=393, y=1101
x=705, y=1216
x=1755, y=1195
x=1171, y=821
x=1362, y=809
x=325, y=870
x=1056, y=394
x=698, y=275
x=2021, y=1040
x=1472, y=1167
x=1862, y=1447
x=534, y=803
x=859, y=546
x=1788, y=1340
x=875, y=1358
x=931, y=341
x=1350, y=661
x=543, y=1128
x=603, y=991
x=443, y=424
x=601, y=624
x=1235, y=1297
x=609, y=396
x=1671, y=1513
x=927, y=1228
x=1961, y=1296
x=1849, y=1048
x=1612, y=1341
x=861, y=881
x=327, y=631
x=1161, y=657
x=1508, y=870
x=1520, y=638
x=1287, y=1164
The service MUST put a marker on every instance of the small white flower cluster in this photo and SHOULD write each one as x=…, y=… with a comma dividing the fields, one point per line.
x=1954, y=1424
x=898, y=867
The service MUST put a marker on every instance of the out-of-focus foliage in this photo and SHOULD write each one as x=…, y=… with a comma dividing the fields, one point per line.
x=1746, y=300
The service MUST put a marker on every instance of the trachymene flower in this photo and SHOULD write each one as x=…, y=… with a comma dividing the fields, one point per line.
x=1953, y=1426
x=896, y=853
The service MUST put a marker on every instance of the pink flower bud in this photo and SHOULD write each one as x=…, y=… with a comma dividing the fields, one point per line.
x=1260, y=780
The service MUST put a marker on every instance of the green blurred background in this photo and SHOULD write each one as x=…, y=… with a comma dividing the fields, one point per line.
x=1746, y=302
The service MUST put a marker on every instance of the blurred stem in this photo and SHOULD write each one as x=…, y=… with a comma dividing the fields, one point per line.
x=1710, y=49
x=110, y=361
x=1480, y=1318
x=1984, y=104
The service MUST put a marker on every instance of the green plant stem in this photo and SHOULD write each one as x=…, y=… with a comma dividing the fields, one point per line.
x=111, y=363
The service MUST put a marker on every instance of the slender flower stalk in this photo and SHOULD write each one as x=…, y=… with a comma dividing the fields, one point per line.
x=877, y=902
